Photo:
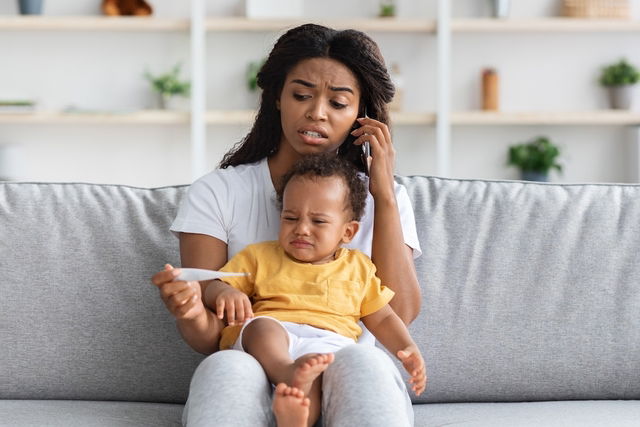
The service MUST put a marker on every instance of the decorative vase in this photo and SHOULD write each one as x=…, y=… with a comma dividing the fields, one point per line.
x=490, y=90
x=162, y=101
x=172, y=102
x=535, y=176
x=620, y=97
x=30, y=7
x=500, y=8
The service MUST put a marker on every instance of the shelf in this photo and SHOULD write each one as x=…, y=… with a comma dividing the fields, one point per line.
x=162, y=117
x=246, y=117
x=91, y=23
x=373, y=24
x=151, y=117
x=543, y=25
x=604, y=117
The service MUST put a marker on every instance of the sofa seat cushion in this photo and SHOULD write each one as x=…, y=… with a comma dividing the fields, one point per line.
x=587, y=413
x=81, y=413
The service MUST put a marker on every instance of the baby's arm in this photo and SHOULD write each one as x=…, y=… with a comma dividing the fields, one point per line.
x=389, y=329
x=221, y=297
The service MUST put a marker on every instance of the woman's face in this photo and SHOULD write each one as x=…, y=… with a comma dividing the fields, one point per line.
x=318, y=106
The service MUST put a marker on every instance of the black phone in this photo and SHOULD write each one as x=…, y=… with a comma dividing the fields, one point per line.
x=358, y=155
x=366, y=153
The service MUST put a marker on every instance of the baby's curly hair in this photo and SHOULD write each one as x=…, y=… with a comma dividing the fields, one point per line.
x=327, y=165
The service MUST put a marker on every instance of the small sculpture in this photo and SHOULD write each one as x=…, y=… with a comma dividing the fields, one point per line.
x=126, y=7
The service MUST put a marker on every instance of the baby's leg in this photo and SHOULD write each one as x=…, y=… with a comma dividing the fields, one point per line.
x=268, y=342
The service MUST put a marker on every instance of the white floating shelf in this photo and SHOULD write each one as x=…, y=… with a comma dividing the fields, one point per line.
x=373, y=24
x=92, y=23
x=151, y=117
x=544, y=25
x=604, y=117
x=246, y=117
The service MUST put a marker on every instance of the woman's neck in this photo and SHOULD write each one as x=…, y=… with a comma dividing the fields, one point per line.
x=281, y=162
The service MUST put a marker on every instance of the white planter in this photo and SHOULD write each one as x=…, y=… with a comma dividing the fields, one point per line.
x=265, y=9
x=620, y=97
x=173, y=103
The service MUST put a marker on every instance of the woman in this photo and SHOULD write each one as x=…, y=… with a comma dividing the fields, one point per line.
x=317, y=84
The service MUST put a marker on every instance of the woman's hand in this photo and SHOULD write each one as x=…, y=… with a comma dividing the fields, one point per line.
x=383, y=155
x=182, y=299
x=414, y=364
x=236, y=305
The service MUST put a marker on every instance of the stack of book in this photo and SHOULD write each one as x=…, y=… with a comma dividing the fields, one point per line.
x=17, y=106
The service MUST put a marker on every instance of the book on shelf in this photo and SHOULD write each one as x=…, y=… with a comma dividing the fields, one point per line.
x=17, y=106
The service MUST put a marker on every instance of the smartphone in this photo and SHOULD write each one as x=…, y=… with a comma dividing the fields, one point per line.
x=358, y=155
x=366, y=152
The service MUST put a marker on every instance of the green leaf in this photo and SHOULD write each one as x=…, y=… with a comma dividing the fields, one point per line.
x=537, y=155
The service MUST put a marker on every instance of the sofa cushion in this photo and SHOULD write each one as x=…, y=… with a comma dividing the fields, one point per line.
x=530, y=291
x=71, y=413
x=80, y=318
x=529, y=414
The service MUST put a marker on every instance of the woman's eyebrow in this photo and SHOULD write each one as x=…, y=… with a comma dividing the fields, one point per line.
x=312, y=85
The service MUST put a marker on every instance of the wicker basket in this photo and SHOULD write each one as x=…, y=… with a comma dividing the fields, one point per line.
x=596, y=8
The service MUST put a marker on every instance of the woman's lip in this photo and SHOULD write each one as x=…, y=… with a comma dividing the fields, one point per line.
x=307, y=139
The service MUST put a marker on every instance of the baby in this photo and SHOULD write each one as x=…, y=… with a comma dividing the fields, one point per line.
x=304, y=294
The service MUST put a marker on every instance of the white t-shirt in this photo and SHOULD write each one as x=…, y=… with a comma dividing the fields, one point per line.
x=238, y=205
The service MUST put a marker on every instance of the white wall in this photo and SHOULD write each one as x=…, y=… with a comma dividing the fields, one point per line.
x=103, y=71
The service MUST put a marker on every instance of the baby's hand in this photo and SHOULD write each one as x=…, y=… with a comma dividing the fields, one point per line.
x=414, y=364
x=236, y=304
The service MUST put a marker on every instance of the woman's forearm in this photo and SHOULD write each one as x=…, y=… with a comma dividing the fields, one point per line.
x=201, y=251
x=202, y=333
x=394, y=259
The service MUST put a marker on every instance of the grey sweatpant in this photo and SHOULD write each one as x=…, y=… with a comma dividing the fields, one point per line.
x=362, y=387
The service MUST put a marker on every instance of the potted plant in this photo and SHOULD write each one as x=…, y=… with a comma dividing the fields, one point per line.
x=619, y=78
x=168, y=85
x=387, y=9
x=252, y=74
x=535, y=158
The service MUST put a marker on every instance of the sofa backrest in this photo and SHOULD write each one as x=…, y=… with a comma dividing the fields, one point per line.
x=80, y=318
x=530, y=291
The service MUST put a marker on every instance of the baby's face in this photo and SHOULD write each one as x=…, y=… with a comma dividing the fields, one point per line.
x=315, y=220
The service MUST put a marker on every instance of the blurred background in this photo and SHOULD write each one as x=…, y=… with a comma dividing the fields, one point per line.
x=79, y=96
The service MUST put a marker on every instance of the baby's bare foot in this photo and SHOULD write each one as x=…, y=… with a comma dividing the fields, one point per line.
x=307, y=368
x=290, y=406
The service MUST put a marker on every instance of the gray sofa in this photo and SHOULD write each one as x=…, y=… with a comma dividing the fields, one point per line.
x=531, y=305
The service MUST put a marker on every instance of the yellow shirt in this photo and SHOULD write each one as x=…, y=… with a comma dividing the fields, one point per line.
x=332, y=296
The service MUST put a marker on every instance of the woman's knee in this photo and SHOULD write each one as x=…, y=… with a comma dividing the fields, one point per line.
x=229, y=364
x=363, y=357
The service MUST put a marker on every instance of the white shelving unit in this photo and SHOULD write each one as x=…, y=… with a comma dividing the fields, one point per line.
x=443, y=29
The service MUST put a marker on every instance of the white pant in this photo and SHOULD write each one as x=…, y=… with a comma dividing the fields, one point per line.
x=303, y=339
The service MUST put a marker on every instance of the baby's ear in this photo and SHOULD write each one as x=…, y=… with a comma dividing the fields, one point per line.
x=350, y=230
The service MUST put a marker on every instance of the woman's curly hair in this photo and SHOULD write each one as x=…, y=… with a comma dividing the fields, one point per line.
x=329, y=165
x=356, y=50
